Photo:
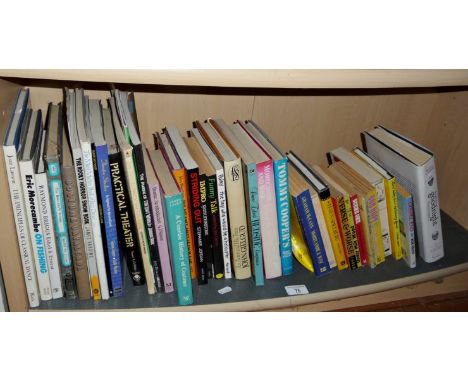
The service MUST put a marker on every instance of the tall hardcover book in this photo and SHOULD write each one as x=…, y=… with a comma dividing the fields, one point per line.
x=218, y=209
x=101, y=124
x=53, y=159
x=174, y=207
x=45, y=209
x=71, y=196
x=414, y=168
x=11, y=148
x=406, y=226
x=28, y=156
x=280, y=168
x=234, y=180
x=126, y=228
x=78, y=161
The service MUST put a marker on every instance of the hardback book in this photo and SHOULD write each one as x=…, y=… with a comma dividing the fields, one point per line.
x=391, y=197
x=127, y=112
x=101, y=125
x=83, y=127
x=302, y=193
x=369, y=210
x=72, y=201
x=53, y=160
x=28, y=156
x=45, y=212
x=406, y=225
x=376, y=180
x=126, y=228
x=130, y=169
x=323, y=194
x=180, y=173
x=193, y=180
x=280, y=168
x=234, y=180
x=11, y=148
x=414, y=168
x=160, y=231
x=218, y=210
x=299, y=245
x=174, y=208
x=78, y=161
x=207, y=176
x=348, y=216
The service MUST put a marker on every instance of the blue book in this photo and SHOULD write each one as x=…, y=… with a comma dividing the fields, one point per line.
x=308, y=220
x=99, y=131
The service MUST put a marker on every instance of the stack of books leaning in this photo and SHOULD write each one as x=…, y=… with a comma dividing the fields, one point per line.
x=94, y=206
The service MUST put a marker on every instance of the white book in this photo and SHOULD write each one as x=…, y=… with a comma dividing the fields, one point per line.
x=42, y=186
x=27, y=157
x=10, y=145
x=414, y=168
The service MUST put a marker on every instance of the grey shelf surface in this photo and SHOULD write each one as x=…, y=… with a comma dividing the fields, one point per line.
x=456, y=254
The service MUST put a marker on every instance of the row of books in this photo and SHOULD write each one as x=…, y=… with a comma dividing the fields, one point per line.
x=220, y=201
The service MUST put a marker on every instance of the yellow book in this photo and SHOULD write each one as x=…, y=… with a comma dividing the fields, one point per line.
x=354, y=248
x=299, y=246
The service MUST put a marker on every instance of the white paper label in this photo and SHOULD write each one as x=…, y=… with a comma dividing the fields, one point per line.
x=293, y=290
x=225, y=290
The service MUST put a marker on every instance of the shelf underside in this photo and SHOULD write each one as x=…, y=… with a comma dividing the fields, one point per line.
x=338, y=284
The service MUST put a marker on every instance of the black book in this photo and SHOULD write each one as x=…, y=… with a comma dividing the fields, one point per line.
x=215, y=228
x=205, y=206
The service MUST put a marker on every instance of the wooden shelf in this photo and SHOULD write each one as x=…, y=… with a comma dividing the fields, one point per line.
x=313, y=79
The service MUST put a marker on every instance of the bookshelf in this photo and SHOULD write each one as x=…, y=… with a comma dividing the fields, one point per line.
x=309, y=111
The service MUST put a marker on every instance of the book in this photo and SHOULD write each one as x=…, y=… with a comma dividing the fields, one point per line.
x=125, y=222
x=391, y=197
x=180, y=173
x=130, y=170
x=234, y=182
x=280, y=168
x=376, y=180
x=174, y=207
x=406, y=226
x=71, y=197
x=53, y=160
x=414, y=168
x=127, y=112
x=72, y=116
x=218, y=209
x=299, y=245
x=45, y=212
x=160, y=231
x=11, y=148
x=193, y=179
x=302, y=193
x=28, y=156
x=101, y=125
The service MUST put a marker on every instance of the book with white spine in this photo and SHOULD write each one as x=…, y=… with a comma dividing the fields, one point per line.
x=27, y=158
x=42, y=186
x=11, y=147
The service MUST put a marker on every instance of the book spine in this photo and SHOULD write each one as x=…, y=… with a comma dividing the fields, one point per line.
x=373, y=218
x=224, y=223
x=268, y=220
x=411, y=236
x=179, y=249
x=197, y=224
x=86, y=224
x=308, y=220
x=161, y=236
x=215, y=228
x=336, y=210
x=22, y=231
x=280, y=168
x=49, y=236
x=35, y=228
x=60, y=228
x=383, y=214
x=406, y=226
x=299, y=245
x=334, y=232
x=352, y=228
x=391, y=197
x=108, y=214
x=324, y=232
x=366, y=231
x=72, y=206
x=255, y=229
x=94, y=218
x=126, y=230
x=354, y=200
x=205, y=206
x=181, y=179
x=237, y=218
x=348, y=237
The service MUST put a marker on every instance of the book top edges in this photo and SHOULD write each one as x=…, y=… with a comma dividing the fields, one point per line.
x=121, y=103
x=180, y=147
x=204, y=165
x=30, y=135
x=224, y=151
x=95, y=117
x=206, y=148
x=372, y=162
x=404, y=147
x=247, y=145
x=315, y=181
x=15, y=123
x=163, y=173
x=53, y=136
x=71, y=118
x=40, y=166
x=119, y=135
x=109, y=136
x=262, y=138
